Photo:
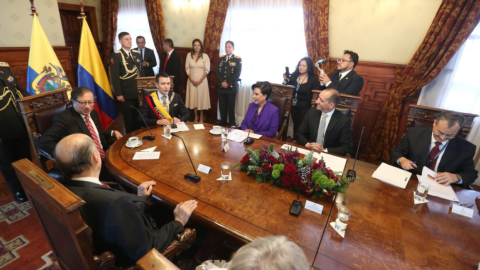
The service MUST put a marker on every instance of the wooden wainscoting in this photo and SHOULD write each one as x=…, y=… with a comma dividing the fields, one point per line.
x=17, y=58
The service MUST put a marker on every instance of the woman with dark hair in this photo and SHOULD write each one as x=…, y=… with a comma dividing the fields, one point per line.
x=262, y=116
x=197, y=66
x=304, y=80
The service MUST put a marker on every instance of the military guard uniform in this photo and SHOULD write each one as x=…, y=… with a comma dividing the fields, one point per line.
x=228, y=70
x=14, y=144
x=124, y=69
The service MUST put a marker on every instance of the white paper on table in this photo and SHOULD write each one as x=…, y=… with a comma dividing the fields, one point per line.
x=204, y=169
x=198, y=126
x=315, y=207
x=436, y=189
x=243, y=133
x=236, y=137
x=300, y=150
x=180, y=127
x=336, y=164
x=392, y=175
x=146, y=155
x=151, y=149
x=460, y=210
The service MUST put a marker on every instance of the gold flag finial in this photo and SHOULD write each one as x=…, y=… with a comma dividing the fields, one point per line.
x=82, y=12
x=33, y=9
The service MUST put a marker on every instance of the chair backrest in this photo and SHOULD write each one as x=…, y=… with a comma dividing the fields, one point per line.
x=154, y=260
x=38, y=111
x=282, y=98
x=347, y=105
x=146, y=85
x=423, y=116
x=58, y=210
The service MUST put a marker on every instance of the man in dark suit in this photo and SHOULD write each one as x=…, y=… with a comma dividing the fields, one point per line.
x=125, y=66
x=163, y=107
x=172, y=63
x=147, y=56
x=80, y=118
x=344, y=79
x=14, y=141
x=229, y=68
x=325, y=129
x=117, y=218
x=440, y=149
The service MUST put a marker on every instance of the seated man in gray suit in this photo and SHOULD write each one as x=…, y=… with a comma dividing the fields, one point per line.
x=440, y=149
x=325, y=129
x=117, y=218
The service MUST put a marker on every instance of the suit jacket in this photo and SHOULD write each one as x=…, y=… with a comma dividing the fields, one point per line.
x=149, y=57
x=338, y=135
x=229, y=72
x=123, y=74
x=173, y=68
x=12, y=125
x=176, y=109
x=457, y=158
x=350, y=84
x=119, y=223
x=266, y=123
x=69, y=122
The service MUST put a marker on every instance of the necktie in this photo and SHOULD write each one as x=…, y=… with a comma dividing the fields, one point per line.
x=433, y=153
x=105, y=185
x=141, y=54
x=164, y=100
x=94, y=136
x=339, y=76
x=166, y=60
x=321, y=129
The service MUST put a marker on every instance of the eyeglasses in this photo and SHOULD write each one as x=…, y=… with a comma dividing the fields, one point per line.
x=439, y=133
x=83, y=103
x=342, y=60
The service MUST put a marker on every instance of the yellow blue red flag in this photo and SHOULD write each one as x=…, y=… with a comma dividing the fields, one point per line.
x=45, y=73
x=91, y=74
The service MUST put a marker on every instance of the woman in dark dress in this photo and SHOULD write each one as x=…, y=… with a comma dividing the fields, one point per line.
x=304, y=80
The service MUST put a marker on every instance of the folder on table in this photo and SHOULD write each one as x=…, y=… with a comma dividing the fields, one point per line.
x=392, y=175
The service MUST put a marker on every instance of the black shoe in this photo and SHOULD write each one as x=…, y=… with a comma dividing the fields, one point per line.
x=21, y=197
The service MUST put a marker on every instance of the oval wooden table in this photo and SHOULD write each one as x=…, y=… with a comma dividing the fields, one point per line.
x=241, y=208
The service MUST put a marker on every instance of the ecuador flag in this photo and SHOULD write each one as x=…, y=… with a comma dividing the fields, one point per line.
x=91, y=74
x=45, y=73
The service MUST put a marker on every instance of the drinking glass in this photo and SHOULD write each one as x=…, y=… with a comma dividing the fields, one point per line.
x=421, y=191
x=343, y=217
x=225, y=170
x=166, y=130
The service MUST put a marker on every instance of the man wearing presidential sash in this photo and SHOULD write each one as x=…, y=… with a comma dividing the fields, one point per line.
x=125, y=66
x=163, y=107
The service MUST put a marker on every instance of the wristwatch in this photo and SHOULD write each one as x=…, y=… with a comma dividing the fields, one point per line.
x=459, y=178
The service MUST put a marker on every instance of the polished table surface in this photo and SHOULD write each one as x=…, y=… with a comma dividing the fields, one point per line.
x=241, y=208
x=386, y=231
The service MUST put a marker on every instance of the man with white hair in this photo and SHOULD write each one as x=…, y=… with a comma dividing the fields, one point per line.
x=117, y=218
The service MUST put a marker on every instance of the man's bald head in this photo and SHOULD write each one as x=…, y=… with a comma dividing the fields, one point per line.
x=73, y=154
x=327, y=100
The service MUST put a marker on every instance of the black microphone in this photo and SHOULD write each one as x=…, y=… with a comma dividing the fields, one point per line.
x=351, y=174
x=190, y=177
x=296, y=206
x=146, y=138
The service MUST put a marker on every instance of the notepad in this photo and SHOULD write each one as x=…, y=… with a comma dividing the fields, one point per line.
x=243, y=133
x=392, y=175
x=146, y=155
x=336, y=164
x=180, y=127
x=436, y=189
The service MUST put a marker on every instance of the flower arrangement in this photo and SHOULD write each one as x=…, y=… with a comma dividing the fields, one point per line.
x=287, y=170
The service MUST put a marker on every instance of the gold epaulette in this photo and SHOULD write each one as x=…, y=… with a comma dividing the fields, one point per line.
x=135, y=51
x=4, y=64
x=236, y=56
x=118, y=51
x=222, y=56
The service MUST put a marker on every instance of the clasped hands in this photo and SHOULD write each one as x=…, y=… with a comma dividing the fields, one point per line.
x=165, y=122
x=196, y=83
x=182, y=211
x=444, y=178
x=315, y=147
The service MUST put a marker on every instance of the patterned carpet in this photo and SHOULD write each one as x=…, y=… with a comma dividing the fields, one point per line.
x=23, y=244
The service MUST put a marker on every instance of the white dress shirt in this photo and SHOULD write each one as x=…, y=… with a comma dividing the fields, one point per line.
x=129, y=53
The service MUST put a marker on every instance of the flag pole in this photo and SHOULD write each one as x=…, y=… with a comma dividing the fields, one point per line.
x=82, y=12
x=33, y=9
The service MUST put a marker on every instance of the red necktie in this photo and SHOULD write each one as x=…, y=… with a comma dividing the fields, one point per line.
x=94, y=136
x=166, y=60
x=433, y=153
x=105, y=185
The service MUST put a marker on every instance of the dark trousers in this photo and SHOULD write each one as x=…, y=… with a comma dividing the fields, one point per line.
x=227, y=105
x=130, y=115
x=298, y=113
x=11, y=151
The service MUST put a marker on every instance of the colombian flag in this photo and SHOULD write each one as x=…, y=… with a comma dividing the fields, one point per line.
x=45, y=73
x=91, y=74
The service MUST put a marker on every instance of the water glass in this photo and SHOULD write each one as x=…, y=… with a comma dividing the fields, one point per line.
x=166, y=130
x=343, y=217
x=224, y=134
x=225, y=170
x=421, y=191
